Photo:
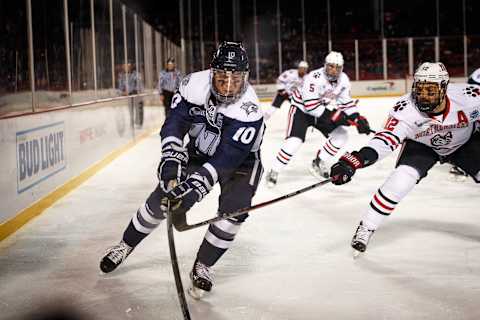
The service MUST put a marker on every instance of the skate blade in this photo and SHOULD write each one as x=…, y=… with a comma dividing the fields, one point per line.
x=196, y=293
x=356, y=254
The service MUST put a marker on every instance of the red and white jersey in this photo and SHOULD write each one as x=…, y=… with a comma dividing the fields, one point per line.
x=289, y=81
x=318, y=93
x=444, y=133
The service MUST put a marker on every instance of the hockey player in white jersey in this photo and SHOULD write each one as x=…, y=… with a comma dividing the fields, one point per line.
x=219, y=112
x=287, y=82
x=436, y=122
x=474, y=77
x=456, y=173
x=324, y=102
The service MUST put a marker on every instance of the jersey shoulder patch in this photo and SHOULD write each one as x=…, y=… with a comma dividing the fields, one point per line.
x=195, y=87
x=246, y=109
x=404, y=109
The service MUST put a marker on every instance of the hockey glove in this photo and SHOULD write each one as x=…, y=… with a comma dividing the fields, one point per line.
x=339, y=118
x=189, y=191
x=343, y=171
x=363, y=127
x=172, y=165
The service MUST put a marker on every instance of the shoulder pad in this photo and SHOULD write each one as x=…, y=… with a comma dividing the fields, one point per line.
x=246, y=109
x=404, y=108
x=344, y=79
x=195, y=87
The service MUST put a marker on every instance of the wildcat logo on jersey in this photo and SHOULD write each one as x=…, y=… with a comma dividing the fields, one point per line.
x=249, y=107
x=186, y=80
x=440, y=140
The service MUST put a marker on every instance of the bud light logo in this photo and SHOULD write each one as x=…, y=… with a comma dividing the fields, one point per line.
x=40, y=154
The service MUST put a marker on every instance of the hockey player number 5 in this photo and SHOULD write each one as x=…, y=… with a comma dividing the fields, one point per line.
x=244, y=135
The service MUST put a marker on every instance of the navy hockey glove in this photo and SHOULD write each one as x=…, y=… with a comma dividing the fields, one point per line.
x=363, y=127
x=343, y=171
x=192, y=190
x=172, y=165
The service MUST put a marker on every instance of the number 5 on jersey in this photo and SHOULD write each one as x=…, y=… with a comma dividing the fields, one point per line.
x=244, y=135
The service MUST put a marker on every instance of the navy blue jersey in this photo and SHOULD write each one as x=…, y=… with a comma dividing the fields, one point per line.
x=222, y=137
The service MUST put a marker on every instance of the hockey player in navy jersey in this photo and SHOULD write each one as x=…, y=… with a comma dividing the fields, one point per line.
x=219, y=112
x=436, y=122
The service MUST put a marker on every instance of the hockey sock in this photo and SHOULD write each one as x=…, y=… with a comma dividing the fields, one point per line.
x=384, y=201
x=287, y=151
x=218, y=239
x=144, y=221
x=336, y=140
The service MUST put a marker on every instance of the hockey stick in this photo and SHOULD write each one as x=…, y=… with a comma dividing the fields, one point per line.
x=176, y=271
x=180, y=223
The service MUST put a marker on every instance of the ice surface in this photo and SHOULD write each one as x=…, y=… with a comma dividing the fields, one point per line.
x=290, y=261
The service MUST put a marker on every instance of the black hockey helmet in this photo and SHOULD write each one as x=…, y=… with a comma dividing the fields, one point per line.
x=229, y=74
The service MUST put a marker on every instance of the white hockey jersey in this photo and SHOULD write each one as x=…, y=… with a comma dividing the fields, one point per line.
x=475, y=77
x=289, y=81
x=317, y=93
x=444, y=133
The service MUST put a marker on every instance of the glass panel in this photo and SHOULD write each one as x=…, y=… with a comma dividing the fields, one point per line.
x=268, y=48
x=15, y=94
x=103, y=49
x=118, y=42
x=291, y=33
x=451, y=18
x=51, y=86
x=354, y=19
x=125, y=79
x=423, y=50
x=81, y=50
x=473, y=53
x=140, y=61
x=150, y=57
x=209, y=31
x=397, y=58
x=347, y=48
x=370, y=59
x=130, y=36
x=247, y=35
x=451, y=54
x=316, y=32
x=472, y=8
x=400, y=18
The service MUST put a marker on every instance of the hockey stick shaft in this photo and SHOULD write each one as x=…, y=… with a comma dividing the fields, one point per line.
x=183, y=226
x=176, y=271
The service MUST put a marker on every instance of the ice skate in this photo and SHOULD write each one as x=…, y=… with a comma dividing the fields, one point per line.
x=272, y=177
x=320, y=169
x=115, y=256
x=457, y=174
x=360, y=239
x=202, y=280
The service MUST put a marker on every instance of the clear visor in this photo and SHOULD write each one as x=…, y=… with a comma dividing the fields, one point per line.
x=229, y=83
x=333, y=70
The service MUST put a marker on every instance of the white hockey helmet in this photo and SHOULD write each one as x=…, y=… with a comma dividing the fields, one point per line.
x=426, y=75
x=303, y=64
x=333, y=65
